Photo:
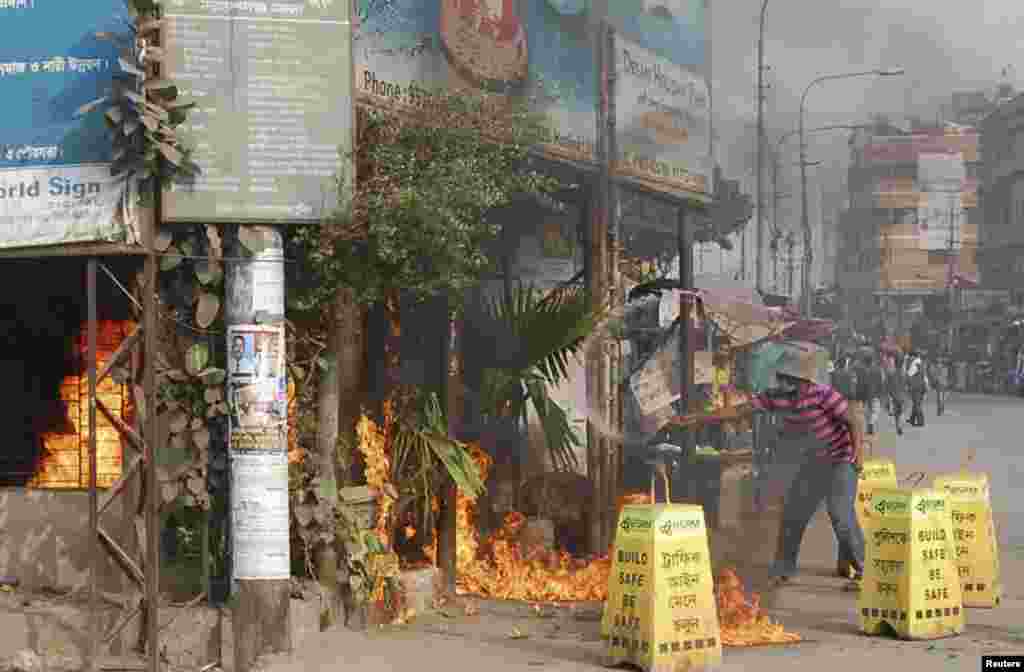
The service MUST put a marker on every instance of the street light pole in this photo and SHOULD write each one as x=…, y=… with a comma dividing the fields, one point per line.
x=758, y=259
x=805, y=271
x=776, y=196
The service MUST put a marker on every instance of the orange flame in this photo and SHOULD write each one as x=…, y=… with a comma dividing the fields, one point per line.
x=502, y=567
x=66, y=448
x=742, y=621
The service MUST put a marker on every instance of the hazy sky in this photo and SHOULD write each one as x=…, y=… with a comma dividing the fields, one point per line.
x=943, y=45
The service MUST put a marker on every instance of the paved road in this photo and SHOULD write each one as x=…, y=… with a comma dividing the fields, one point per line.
x=993, y=426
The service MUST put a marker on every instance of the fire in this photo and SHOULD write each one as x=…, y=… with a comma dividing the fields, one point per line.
x=501, y=567
x=295, y=452
x=373, y=442
x=742, y=621
x=66, y=449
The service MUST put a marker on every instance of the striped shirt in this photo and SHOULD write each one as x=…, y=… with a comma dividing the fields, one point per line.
x=819, y=409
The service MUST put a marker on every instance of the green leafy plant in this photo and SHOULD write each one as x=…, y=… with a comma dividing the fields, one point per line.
x=420, y=218
x=142, y=110
x=423, y=451
x=546, y=332
x=190, y=397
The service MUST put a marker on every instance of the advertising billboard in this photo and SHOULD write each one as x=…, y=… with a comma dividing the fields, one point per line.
x=941, y=177
x=904, y=149
x=272, y=126
x=897, y=193
x=663, y=121
x=541, y=51
x=55, y=182
x=662, y=99
x=674, y=29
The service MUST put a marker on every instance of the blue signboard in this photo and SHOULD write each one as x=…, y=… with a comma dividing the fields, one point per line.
x=674, y=29
x=55, y=183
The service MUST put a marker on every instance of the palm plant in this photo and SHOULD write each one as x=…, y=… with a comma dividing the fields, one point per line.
x=544, y=332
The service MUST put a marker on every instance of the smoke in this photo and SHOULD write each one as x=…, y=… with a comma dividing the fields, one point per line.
x=943, y=48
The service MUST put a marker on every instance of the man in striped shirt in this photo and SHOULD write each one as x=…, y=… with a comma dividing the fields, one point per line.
x=830, y=475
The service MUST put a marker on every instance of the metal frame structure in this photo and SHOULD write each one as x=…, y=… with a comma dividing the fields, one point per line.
x=144, y=575
x=142, y=436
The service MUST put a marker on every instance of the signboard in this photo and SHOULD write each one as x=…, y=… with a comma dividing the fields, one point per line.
x=272, y=128
x=661, y=93
x=905, y=149
x=258, y=450
x=536, y=50
x=657, y=384
x=910, y=583
x=940, y=214
x=55, y=182
x=974, y=533
x=674, y=29
x=897, y=193
x=661, y=612
x=663, y=121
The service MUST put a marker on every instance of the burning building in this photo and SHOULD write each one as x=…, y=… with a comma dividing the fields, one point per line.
x=44, y=468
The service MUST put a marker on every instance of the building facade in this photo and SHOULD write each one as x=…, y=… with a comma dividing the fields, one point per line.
x=1002, y=189
x=910, y=231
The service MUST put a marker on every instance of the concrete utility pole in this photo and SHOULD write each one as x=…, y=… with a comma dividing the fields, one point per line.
x=759, y=257
x=791, y=261
x=258, y=445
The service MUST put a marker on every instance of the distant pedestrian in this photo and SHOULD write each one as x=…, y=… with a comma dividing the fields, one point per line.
x=896, y=389
x=917, y=386
x=938, y=374
x=961, y=375
x=870, y=388
x=844, y=378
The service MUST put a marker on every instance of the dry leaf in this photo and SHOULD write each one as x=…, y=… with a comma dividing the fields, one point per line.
x=471, y=609
x=195, y=486
x=169, y=492
x=163, y=240
x=140, y=401
x=178, y=443
x=213, y=394
x=207, y=309
x=179, y=422
x=517, y=634
x=201, y=438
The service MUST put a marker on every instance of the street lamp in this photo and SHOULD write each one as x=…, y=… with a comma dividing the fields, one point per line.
x=805, y=224
x=776, y=197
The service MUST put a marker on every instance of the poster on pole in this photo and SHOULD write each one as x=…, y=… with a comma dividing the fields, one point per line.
x=259, y=516
x=55, y=182
x=258, y=450
x=257, y=382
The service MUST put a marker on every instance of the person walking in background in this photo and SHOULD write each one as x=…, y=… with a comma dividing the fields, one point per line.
x=871, y=387
x=961, y=375
x=917, y=386
x=888, y=364
x=856, y=390
x=844, y=380
x=896, y=391
x=938, y=374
